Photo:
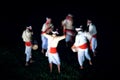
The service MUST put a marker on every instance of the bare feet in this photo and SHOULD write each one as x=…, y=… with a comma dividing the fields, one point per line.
x=81, y=67
x=90, y=62
x=26, y=64
x=31, y=61
x=94, y=54
x=59, y=72
x=42, y=51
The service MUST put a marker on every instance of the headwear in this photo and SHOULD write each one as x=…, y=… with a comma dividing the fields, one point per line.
x=79, y=28
x=55, y=32
x=48, y=20
x=88, y=20
x=69, y=16
x=29, y=27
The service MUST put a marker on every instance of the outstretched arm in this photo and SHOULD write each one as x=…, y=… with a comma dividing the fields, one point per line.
x=61, y=37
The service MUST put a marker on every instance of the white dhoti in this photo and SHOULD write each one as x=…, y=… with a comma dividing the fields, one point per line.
x=82, y=54
x=53, y=58
x=93, y=44
x=28, y=53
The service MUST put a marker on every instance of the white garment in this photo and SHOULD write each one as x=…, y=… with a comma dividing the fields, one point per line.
x=82, y=54
x=92, y=29
x=94, y=44
x=88, y=35
x=26, y=35
x=81, y=39
x=53, y=42
x=28, y=52
x=46, y=26
x=68, y=24
x=53, y=58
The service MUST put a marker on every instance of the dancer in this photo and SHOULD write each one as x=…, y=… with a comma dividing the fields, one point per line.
x=80, y=46
x=48, y=26
x=93, y=32
x=53, y=56
x=27, y=38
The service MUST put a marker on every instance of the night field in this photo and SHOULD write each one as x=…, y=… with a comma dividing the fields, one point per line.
x=12, y=58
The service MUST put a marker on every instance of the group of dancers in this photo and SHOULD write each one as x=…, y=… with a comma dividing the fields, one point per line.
x=50, y=38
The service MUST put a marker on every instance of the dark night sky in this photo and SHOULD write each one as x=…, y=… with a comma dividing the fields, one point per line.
x=14, y=17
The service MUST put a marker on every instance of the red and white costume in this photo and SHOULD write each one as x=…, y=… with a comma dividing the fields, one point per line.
x=47, y=27
x=93, y=33
x=82, y=48
x=27, y=36
x=68, y=27
x=53, y=56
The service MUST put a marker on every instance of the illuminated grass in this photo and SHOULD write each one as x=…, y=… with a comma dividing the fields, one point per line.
x=12, y=61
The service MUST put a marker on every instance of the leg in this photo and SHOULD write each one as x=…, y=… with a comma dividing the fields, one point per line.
x=50, y=65
x=90, y=62
x=26, y=64
x=81, y=58
x=88, y=56
x=50, y=61
x=94, y=46
x=27, y=52
x=44, y=44
x=31, y=61
x=58, y=68
x=27, y=59
x=67, y=39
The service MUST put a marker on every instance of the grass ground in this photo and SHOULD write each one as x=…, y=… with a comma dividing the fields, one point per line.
x=12, y=60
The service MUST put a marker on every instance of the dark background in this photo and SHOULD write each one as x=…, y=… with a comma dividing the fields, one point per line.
x=16, y=16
